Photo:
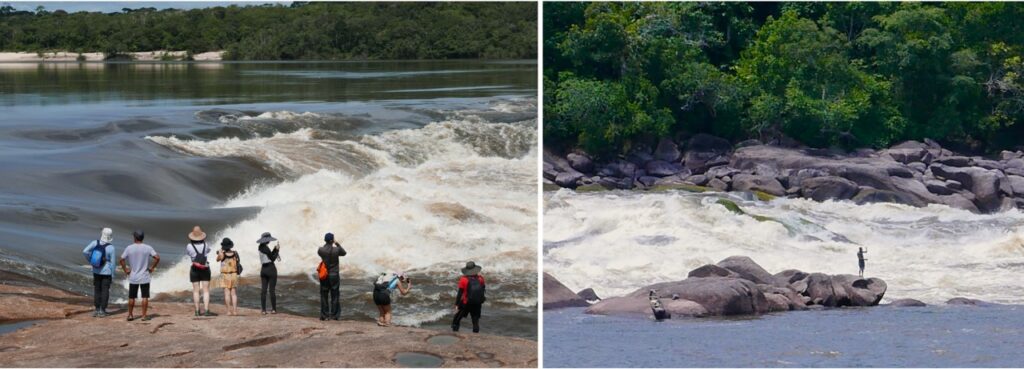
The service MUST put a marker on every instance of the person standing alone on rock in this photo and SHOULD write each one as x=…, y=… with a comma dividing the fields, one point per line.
x=330, y=286
x=230, y=266
x=100, y=254
x=268, y=272
x=199, y=274
x=470, y=298
x=137, y=255
x=861, y=259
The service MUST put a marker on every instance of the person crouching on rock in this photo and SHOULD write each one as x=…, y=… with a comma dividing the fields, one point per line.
x=199, y=273
x=329, y=254
x=470, y=297
x=268, y=271
x=100, y=254
x=230, y=268
x=137, y=255
x=382, y=288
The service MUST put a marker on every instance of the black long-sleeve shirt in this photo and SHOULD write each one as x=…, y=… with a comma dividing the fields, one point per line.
x=271, y=254
x=330, y=254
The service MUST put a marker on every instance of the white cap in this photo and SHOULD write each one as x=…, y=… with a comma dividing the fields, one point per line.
x=107, y=235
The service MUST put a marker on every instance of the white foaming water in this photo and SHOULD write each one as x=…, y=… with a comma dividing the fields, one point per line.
x=616, y=242
x=425, y=200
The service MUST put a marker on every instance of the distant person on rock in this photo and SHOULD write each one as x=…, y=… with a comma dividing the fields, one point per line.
x=382, y=288
x=656, y=307
x=230, y=268
x=861, y=259
x=100, y=254
x=268, y=271
x=470, y=297
x=137, y=256
x=199, y=274
x=330, y=287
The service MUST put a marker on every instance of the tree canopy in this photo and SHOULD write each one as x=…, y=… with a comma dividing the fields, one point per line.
x=302, y=31
x=827, y=74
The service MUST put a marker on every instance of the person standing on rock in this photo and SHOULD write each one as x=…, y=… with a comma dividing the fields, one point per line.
x=330, y=287
x=199, y=274
x=470, y=297
x=230, y=266
x=861, y=259
x=137, y=256
x=100, y=254
x=268, y=272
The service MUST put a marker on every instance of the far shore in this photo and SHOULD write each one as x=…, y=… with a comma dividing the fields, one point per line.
x=142, y=56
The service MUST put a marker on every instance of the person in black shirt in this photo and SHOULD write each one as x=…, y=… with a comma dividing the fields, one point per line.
x=329, y=253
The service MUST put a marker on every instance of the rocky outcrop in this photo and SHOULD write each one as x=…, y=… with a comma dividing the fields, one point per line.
x=557, y=295
x=739, y=286
x=911, y=173
x=907, y=303
x=176, y=338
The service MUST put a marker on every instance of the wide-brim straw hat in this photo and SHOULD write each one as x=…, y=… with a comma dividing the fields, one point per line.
x=471, y=269
x=197, y=234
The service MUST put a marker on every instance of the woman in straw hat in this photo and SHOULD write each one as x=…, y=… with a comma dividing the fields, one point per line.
x=199, y=273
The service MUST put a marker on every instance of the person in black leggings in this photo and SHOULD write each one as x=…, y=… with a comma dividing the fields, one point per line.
x=268, y=273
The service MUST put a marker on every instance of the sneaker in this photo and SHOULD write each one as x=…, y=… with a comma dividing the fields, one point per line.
x=197, y=312
x=207, y=313
x=95, y=313
x=455, y=328
x=101, y=314
x=146, y=318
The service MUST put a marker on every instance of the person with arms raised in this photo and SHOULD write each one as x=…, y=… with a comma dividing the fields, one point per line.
x=330, y=287
x=137, y=256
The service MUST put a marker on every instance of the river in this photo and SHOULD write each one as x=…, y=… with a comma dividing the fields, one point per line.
x=416, y=166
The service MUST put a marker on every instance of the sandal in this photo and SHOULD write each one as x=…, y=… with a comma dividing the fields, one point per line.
x=273, y=311
x=131, y=318
x=146, y=318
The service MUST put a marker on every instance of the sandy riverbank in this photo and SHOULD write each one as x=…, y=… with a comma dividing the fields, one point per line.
x=176, y=338
x=65, y=56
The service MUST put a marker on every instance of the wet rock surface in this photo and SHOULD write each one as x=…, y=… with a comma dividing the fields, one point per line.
x=176, y=338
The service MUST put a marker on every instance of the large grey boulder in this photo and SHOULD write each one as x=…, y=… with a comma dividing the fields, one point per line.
x=750, y=182
x=618, y=168
x=954, y=161
x=828, y=188
x=820, y=290
x=640, y=306
x=667, y=151
x=615, y=183
x=659, y=168
x=983, y=183
x=717, y=295
x=580, y=162
x=557, y=295
x=568, y=179
x=859, y=291
x=867, y=195
x=747, y=269
x=711, y=270
x=588, y=294
x=907, y=303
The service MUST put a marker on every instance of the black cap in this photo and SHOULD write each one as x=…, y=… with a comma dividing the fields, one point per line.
x=329, y=237
x=226, y=244
x=139, y=235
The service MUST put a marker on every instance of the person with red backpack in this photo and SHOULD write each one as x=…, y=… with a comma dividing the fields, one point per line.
x=100, y=254
x=330, y=278
x=470, y=297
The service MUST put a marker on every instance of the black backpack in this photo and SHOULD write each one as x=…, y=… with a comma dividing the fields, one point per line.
x=200, y=260
x=238, y=264
x=475, y=291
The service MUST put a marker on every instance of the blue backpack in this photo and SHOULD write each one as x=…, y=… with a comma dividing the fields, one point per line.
x=98, y=256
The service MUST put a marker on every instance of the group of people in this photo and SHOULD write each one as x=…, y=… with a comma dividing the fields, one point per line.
x=139, y=260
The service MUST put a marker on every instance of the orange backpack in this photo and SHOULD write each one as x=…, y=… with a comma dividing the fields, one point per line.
x=321, y=271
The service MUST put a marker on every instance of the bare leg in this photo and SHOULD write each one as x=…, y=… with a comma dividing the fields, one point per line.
x=380, y=317
x=145, y=307
x=205, y=286
x=234, y=301
x=131, y=308
x=227, y=299
x=387, y=315
x=195, y=295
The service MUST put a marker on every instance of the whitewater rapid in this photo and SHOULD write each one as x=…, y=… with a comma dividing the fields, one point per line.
x=616, y=242
x=424, y=200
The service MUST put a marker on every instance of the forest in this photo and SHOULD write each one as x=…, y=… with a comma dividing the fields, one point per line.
x=301, y=31
x=829, y=75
